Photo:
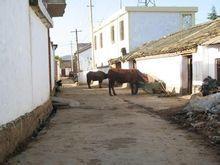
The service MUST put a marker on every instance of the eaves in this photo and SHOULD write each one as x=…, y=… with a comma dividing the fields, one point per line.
x=41, y=12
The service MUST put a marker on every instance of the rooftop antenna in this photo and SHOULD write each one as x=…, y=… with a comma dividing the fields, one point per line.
x=147, y=2
x=120, y=4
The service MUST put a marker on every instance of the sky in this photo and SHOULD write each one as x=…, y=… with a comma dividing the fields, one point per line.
x=77, y=17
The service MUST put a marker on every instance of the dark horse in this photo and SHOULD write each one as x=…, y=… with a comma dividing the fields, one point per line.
x=132, y=76
x=96, y=76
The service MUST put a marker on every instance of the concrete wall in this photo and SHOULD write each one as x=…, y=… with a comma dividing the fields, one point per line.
x=168, y=69
x=147, y=26
x=111, y=50
x=204, y=64
x=24, y=60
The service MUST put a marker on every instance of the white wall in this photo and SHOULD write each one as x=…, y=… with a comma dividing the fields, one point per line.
x=147, y=26
x=204, y=63
x=40, y=63
x=82, y=77
x=21, y=91
x=85, y=60
x=57, y=70
x=111, y=50
x=167, y=69
x=125, y=65
x=52, y=61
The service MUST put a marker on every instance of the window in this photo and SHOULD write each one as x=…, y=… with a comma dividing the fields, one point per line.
x=187, y=21
x=95, y=43
x=122, y=30
x=113, y=34
x=101, y=40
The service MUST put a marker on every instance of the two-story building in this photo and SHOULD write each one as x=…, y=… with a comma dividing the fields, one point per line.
x=133, y=26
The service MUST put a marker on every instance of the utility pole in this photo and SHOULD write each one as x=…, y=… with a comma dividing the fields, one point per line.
x=77, y=48
x=120, y=4
x=71, y=62
x=92, y=31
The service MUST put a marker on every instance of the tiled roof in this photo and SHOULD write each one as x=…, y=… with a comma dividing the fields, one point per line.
x=182, y=42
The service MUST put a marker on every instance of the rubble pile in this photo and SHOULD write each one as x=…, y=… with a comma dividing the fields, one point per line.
x=202, y=114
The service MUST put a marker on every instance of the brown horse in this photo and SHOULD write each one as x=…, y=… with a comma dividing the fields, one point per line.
x=132, y=76
x=96, y=76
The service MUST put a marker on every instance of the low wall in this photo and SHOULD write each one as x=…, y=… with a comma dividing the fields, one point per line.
x=167, y=69
x=82, y=79
x=15, y=133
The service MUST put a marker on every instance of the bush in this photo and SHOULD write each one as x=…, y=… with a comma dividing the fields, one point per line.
x=209, y=86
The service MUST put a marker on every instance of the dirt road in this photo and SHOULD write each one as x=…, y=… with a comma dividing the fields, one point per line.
x=115, y=131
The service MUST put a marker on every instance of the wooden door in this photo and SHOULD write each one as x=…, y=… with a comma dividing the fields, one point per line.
x=190, y=74
x=118, y=65
x=63, y=71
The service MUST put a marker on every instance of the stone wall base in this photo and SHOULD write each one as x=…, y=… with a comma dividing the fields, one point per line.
x=17, y=132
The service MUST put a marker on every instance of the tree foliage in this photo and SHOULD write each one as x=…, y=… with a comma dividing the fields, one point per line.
x=213, y=14
x=58, y=58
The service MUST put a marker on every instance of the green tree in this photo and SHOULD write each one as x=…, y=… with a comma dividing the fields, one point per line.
x=213, y=14
x=58, y=58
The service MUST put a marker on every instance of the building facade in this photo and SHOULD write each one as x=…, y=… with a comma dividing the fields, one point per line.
x=26, y=80
x=133, y=26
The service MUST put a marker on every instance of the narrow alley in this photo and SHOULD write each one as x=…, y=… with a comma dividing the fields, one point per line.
x=111, y=130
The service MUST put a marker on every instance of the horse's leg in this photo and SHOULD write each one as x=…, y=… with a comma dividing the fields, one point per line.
x=132, y=88
x=88, y=82
x=109, y=88
x=113, y=84
x=100, y=83
x=135, y=88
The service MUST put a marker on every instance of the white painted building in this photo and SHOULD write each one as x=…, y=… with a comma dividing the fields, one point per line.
x=85, y=61
x=133, y=26
x=26, y=64
x=183, y=59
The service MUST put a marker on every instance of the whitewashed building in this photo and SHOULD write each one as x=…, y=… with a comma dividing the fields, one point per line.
x=133, y=26
x=183, y=59
x=27, y=68
x=85, y=62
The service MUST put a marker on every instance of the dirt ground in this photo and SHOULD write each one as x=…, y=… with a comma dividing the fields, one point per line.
x=120, y=130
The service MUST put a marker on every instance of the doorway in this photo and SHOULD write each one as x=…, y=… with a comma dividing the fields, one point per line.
x=190, y=74
x=118, y=65
x=63, y=72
